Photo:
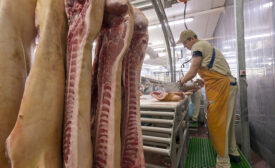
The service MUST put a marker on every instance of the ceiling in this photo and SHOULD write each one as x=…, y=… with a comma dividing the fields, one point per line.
x=204, y=16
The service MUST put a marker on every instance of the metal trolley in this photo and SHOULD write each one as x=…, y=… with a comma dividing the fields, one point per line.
x=165, y=128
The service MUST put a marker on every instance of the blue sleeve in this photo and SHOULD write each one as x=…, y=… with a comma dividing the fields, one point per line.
x=197, y=53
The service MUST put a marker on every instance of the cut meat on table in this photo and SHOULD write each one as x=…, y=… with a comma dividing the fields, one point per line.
x=16, y=38
x=85, y=20
x=35, y=141
x=132, y=146
x=114, y=40
x=168, y=96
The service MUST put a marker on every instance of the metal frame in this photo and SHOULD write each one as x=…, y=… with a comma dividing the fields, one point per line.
x=179, y=128
x=239, y=23
x=169, y=39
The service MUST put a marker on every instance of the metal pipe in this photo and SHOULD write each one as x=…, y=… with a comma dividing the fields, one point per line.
x=153, y=120
x=174, y=62
x=165, y=28
x=239, y=26
x=156, y=129
x=156, y=139
x=156, y=113
x=156, y=150
x=166, y=24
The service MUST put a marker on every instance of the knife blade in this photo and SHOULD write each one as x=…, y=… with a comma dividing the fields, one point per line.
x=172, y=87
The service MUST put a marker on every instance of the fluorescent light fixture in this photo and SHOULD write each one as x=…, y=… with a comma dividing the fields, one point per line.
x=159, y=49
x=153, y=26
x=229, y=53
x=269, y=4
x=179, y=46
x=144, y=6
x=230, y=56
x=231, y=60
x=259, y=36
x=156, y=43
x=171, y=23
x=251, y=59
x=176, y=22
x=226, y=47
x=162, y=54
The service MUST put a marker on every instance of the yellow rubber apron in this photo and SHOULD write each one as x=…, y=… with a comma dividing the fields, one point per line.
x=217, y=87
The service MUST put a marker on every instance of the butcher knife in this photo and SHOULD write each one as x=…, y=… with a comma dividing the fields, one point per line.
x=172, y=87
x=177, y=87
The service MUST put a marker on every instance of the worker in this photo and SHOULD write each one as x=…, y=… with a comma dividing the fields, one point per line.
x=221, y=90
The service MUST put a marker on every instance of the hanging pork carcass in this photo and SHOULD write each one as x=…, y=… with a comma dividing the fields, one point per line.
x=132, y=147
x=36, y=140
x=85, y=20
x=112, y=44
x=16, y=38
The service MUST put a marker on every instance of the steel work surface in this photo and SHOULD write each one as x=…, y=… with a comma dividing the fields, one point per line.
x=201, y=154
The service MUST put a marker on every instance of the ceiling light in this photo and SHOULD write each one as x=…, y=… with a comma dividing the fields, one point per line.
x=179, y=46
x=154, y=26
x=162, y=54
x=226, y=47
x=144, y=6
x=259, y=36
x=156, y=43
x=159, y=49
x=174, y=22
x=231, y=60
x=269, y=4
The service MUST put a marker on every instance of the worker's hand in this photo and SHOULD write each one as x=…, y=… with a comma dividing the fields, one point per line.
x=180, y=84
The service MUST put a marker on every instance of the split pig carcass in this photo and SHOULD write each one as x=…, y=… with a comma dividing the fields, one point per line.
x=36, y=139
x=112, y=44
x=132, y=146
x=85, y=20
x=16, y=40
